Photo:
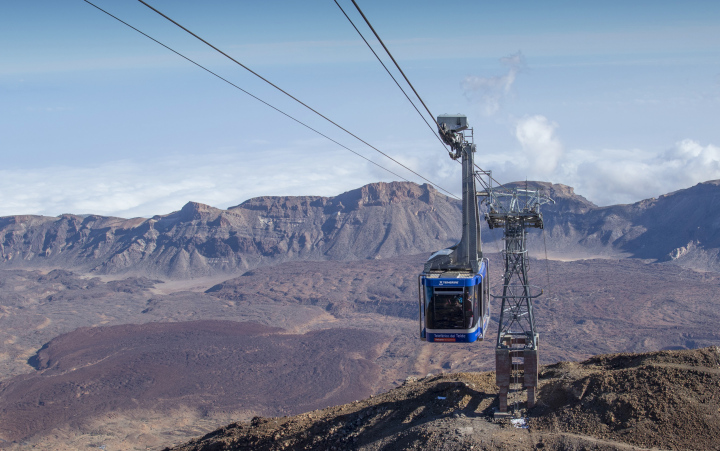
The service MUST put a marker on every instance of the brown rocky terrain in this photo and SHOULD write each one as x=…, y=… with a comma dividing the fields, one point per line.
x=147, y=276
x=376, y=221
x=680, y=227
x=589, y=307
x=661, y=400
x=210, y=366
x=666, y=400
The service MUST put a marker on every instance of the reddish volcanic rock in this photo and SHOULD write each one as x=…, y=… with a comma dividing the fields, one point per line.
x=208, y=366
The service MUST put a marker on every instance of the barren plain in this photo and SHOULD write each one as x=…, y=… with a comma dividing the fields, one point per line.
x=125, y=390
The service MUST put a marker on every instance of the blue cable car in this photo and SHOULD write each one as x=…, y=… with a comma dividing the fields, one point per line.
x=454, y=306
x=453, y=287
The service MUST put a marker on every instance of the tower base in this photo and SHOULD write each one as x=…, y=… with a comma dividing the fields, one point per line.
x=515, y=357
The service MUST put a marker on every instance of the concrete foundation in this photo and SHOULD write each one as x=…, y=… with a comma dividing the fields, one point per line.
x=503, y=365
x=526, y=361
x=530, y=375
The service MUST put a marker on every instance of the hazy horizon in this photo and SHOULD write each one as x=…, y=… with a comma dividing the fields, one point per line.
x=618, y=100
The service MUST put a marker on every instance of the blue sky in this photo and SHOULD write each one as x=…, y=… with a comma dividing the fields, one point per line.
x=619, y=99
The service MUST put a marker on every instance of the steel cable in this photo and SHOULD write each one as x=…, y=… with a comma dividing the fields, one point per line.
x=296, y=99
x=246, y=92
x=391, y=75
x=395, y=62
x=401, y=71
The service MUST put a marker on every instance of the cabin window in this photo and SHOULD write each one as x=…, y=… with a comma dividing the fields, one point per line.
x=451, y=308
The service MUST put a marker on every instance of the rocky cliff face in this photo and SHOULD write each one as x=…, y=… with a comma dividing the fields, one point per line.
x=375, y=221
x=682, y=227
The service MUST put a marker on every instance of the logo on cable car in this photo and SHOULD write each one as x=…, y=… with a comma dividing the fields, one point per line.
x=448, y=282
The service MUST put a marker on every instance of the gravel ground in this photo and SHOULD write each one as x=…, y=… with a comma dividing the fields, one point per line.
x=660, y=400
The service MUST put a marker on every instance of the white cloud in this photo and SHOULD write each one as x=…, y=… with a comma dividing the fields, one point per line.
x=223, y=178
x=604, y=176
x=159, y=186
x=628, y=176
x=489, y=92
x=226, y=177
x=541, y=147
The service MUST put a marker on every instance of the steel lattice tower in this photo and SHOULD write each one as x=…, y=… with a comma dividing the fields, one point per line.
x=516, y=314
x=514, y=210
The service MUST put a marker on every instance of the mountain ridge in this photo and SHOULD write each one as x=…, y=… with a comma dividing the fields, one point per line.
x=378, y=220
x=198, y=240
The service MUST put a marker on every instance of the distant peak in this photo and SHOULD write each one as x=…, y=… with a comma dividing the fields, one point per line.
x=555, y=190
x=197, y=206
x=384, y=193
x=379, y=193
x=195, y=210
x=711, y=182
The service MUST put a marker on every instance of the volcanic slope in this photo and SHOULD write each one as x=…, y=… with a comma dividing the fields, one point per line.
x=679, y=227
x=665, y=400
x=210, y=366
x=589, y=307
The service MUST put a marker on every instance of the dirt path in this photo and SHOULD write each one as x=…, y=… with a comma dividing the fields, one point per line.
x=585, y=442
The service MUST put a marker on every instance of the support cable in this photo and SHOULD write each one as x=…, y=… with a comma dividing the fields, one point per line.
x=393, y=60
x=296, y=99
x=391, y=75
x=246, y=92
x=500, y=185
x=401, y=71
x=547, y=262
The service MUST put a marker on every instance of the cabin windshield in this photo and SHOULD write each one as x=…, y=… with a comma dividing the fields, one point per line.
x=452, y=308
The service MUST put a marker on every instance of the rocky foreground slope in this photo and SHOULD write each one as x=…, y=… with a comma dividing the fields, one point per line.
x=659, y=400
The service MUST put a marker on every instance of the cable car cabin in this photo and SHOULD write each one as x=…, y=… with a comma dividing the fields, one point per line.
x=454, y=306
